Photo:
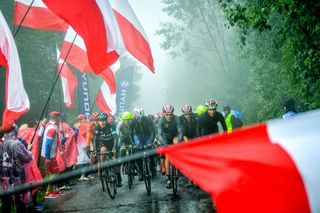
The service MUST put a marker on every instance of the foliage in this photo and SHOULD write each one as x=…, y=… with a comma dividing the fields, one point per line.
x=215, y=68
x=285, y=36
x=279, y=41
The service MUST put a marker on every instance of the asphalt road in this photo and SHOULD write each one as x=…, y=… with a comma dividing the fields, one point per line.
x=88, y=197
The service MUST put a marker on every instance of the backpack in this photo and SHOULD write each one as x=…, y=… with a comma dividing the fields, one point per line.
x=9, y=174
x=238, y=123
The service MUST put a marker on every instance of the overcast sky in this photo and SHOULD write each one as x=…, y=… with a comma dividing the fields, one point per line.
x=152, y=85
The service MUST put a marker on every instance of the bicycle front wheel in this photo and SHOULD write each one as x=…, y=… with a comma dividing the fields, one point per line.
x=174, y=180
x=147, y=175
x=130, y=174
x=111, y=182
x=102, y=177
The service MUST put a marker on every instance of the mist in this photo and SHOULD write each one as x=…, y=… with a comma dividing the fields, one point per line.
x=190, y=67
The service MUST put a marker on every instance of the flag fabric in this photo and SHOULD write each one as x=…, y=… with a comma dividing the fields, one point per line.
x=17, y=101
x=87, y=20
x=272, y=167
x=78, y=53
x=69, y=82
x=133, y=34
x=38, y=16
x=106, y=100
x=106, y=97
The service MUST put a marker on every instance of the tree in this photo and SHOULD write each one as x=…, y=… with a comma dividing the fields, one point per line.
x=284, y=36
x=198, y=33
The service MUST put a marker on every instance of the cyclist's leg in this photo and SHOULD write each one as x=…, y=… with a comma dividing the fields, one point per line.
x=103, y=149
x=117, y=169
x=152, y=158
x=167, y=164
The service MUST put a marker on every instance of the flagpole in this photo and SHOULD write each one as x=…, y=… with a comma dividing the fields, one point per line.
x=23, y=19
x=92, y=105
x=52, y=88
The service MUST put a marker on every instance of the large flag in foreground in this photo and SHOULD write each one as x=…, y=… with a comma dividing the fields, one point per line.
x=38, y=16
x=106, y=97
x=272, y=167
x=17, y=101
x=86, y=18
x=133, y=34
x=69, y=82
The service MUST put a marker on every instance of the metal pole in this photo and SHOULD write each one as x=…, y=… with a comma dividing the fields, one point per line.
x=79, y=171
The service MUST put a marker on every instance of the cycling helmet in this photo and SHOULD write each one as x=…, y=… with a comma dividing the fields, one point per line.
x=138, y=112
x=168, y=109
x=201, y=109
x=186, y=109
x=95, y=115
x=226, y=108
x=102, y=116
x=211, y=104
x=126, y=116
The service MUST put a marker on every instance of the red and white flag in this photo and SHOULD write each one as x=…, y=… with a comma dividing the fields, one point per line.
x=69, y=82
x=17, y=101
x=87, y=19
x=273, y=167
x=106, y=97
x=38, y=16
x=133, y=34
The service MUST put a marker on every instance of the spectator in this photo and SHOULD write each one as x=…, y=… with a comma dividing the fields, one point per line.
x=13, y=157
x=290, y=109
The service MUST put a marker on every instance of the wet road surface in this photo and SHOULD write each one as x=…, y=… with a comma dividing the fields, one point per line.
x=88, y=197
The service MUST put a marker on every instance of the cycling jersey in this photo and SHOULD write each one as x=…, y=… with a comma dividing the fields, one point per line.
x=209, y=125
x=103, y=137
x=167, y=130
x=189, y=127
x=125, y=133
x=143, y=131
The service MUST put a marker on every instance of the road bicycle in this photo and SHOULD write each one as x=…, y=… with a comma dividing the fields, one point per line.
x=108, y=176
x=146, y=166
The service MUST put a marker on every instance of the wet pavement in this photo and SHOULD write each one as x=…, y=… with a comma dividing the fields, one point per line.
x=89, y=197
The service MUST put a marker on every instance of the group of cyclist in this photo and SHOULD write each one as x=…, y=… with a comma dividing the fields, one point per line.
x=166, y=128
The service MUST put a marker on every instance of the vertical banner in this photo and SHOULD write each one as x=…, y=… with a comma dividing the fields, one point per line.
x=124, y=86
x=83, y=90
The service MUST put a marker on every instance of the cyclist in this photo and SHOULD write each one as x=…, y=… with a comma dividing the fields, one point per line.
x=189, y=123
x=89, y=135
x=208, y=121
x=230, y=119
x=125, y=132
x=169, y=132
x=200, y=110
x=143, y=132
x=104, y=141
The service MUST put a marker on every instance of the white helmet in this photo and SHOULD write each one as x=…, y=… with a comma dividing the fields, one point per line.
x=138, y=112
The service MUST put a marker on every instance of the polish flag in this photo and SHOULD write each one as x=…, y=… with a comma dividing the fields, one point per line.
x=133, y=34
x=106, y=97
x=38, y=16
x=17, y=101
x=88, y=19
x=78, y=56
x=69, y=82
x=272, y=167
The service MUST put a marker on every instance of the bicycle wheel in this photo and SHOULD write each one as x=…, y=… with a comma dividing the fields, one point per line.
x=111, y=182
x=147, y=174
x=130, y=174
x=174, y=180
x=102, y=177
